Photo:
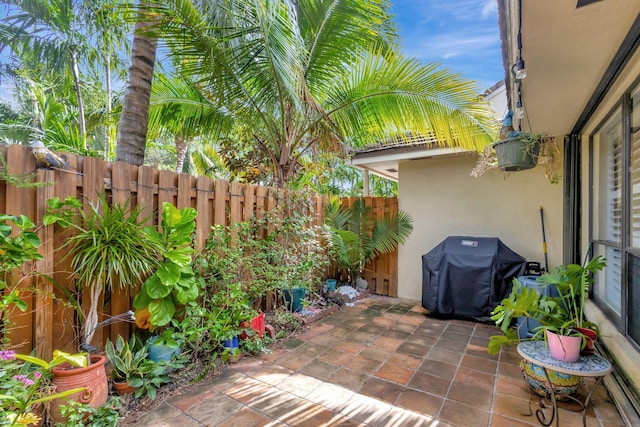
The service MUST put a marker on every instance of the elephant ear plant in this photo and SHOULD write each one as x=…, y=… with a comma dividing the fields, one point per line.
x=110, y=248
x=355, y=237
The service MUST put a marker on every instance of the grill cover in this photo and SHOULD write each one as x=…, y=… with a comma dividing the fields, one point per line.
x=468, y=276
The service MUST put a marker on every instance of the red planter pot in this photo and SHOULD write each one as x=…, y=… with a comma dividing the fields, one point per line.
x=257, y=324
x=591, y=337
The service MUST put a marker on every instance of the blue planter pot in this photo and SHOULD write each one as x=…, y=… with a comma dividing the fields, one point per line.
x=158, y=352
x=232, y=343
x=294, y=297
x=331, y=284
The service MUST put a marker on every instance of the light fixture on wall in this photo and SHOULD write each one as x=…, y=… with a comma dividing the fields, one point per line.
x=519, y=69
x=519, y=111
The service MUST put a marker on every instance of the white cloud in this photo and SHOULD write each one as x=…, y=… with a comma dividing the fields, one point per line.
x=489, y=9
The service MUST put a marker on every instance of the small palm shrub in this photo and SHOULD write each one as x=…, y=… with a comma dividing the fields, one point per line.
x=355, y=237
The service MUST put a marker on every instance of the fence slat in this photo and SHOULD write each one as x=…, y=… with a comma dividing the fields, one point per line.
x=64, y=323
x=204, y=190
x=220, y=202
x=236, y=198
x=21, y=201
x=95, y=171
x=147, y=178
x=122, y=175
x=184, y=191
x=43, y=337
x=166, y=190
x=249, y=201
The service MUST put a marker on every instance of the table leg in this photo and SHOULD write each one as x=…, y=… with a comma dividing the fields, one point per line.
x=540, y=413
x=586, y=402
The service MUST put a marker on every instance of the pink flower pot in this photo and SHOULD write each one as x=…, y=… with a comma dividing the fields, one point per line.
x=563, y=347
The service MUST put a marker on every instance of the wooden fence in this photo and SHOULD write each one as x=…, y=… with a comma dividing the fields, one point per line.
x=48, y=323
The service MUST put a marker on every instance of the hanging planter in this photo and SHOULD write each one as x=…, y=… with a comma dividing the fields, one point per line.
x=518, y=152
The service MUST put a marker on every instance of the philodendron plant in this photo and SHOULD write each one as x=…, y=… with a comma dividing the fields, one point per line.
x=173, y=284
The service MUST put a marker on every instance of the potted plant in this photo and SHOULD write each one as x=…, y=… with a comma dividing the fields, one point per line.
x=127, y=358
x=519, y=151
x=23, y=386
x=355, y=237
x=573, y=283
x=561, y=314
x=173, y=284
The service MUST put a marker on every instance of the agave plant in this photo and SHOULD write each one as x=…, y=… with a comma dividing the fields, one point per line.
x=355, y=237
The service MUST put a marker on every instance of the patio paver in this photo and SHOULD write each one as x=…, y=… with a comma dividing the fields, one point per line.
x=382, y=362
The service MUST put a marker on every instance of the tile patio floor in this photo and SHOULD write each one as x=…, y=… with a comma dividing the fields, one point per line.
x=379, y=363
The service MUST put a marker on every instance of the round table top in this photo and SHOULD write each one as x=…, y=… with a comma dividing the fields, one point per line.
x=591, y=365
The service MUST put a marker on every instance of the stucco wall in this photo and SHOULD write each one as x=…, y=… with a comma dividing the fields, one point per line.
x=445, y=200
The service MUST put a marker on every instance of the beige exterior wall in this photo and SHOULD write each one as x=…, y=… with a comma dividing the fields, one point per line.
x=445, y=200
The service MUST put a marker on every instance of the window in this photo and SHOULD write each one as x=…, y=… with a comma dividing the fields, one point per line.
x=615, y=213
x=608, y=211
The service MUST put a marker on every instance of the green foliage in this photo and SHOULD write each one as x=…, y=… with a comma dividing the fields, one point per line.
x=15, y=249
x=559, y=314
x=263, y=255
x=23, y=180
x=24, y=386
x=355, y=237
x=151, y=376
x=127, y=358
x=173, y=284
x=81, y=414
x=254, y=344
x=110, y=242
x=277, y=71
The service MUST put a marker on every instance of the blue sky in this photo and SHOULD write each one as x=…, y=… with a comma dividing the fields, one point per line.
x=462, y=35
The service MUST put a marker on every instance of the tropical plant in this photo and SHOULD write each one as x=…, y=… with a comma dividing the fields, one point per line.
x=57, y=38
x=173, y=284
x=15, y=249
x=111, y=248
x=81, y=414
x=23, y=386
x=560, y=314
x=355, y=237
x=278, y=69
x=127, y=358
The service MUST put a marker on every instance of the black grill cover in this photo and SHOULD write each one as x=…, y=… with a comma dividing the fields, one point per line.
x=468, y=276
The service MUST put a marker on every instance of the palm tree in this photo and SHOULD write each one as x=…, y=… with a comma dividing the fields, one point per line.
x=50, y=40
x=314, y=75
x=132, y=130
x=355, y=237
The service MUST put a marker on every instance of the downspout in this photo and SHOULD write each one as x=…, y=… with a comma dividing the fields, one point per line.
x=572, y=181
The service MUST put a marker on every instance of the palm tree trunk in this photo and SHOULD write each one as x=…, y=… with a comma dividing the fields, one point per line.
x=107, y=141
x=76, y=84
x=182, y=146
x=132, y=132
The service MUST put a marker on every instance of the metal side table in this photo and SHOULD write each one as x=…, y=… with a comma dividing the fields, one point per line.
x=587, y=366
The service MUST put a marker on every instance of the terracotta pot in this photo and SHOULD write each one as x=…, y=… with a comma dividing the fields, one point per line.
x=565, y=348
x=591, y=337
x=123, y=388
x=93, y=377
